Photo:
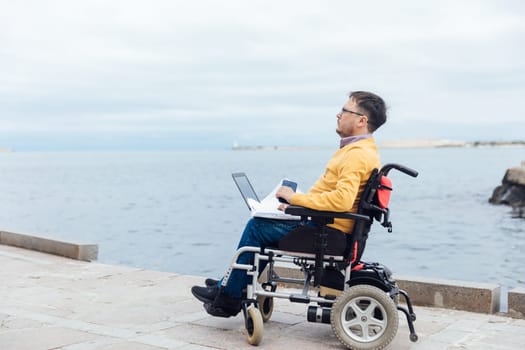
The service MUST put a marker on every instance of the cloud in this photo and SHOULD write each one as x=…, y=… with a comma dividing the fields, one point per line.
x=255, y=67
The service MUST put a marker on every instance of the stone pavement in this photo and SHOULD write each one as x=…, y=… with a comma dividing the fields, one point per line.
x=49, y=302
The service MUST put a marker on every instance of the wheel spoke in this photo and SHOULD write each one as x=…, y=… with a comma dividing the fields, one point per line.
x=355, y=307
x=352, y=323
x=351, y=320
x=378, y=323
x=369, y=311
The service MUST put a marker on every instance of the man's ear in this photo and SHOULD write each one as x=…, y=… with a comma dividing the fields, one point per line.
x=364, y=121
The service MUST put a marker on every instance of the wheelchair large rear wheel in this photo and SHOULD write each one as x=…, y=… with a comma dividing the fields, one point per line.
x=364, y=317
x=254, y=326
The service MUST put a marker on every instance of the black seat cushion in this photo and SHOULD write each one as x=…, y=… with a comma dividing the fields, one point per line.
x=303, y=238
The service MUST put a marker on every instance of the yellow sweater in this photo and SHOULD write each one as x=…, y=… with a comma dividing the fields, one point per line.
x=339, y=188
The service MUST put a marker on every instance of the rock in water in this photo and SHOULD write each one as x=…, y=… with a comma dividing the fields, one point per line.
x=512, y=190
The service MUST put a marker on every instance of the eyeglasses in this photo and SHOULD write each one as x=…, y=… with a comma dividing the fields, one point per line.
x=343, y=110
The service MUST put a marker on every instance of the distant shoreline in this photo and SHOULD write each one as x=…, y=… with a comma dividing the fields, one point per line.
x=385, y=144
x=392, y=144
x=447, y=143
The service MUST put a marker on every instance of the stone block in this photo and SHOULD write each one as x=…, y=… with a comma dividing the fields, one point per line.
x=451, y=294
x=517, y=303
x=85, y=252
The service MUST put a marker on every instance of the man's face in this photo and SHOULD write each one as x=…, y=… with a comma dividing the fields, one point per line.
x=350, y=119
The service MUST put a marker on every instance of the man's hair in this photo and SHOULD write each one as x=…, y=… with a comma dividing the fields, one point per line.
x=373, y=106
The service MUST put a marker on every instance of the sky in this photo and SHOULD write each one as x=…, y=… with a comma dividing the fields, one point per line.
x=169, y=74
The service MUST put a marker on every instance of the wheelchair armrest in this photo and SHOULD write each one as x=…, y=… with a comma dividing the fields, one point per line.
x=307, y=212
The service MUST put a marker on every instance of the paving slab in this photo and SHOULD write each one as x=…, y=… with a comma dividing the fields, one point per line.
x=50, y=302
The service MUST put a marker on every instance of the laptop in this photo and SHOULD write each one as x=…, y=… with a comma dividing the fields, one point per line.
x=245, y=187
x=267, y=208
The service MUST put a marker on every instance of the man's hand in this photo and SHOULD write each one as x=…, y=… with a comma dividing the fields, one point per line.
x=285, y=192
x=283, y=206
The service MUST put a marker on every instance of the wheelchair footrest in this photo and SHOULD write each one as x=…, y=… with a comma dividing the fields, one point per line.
x=300, y=298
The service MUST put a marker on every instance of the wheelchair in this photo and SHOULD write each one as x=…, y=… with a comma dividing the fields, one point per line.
x=359, y=299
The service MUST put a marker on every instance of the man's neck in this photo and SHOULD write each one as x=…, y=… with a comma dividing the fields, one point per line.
x=351, y=139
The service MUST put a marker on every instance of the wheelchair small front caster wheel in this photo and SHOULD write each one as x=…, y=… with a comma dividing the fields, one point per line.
x=254, y=326
x=413, y=337
x=265, y=307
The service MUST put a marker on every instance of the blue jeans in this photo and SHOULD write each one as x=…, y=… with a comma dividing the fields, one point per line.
x=259, y=232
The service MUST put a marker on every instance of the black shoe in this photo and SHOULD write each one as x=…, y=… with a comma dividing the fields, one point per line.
x=205, y=294
x=210, y=282
x=223, y=306
x=216, y=311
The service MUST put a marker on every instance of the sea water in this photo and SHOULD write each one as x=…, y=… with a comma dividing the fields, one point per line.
x=181, y=211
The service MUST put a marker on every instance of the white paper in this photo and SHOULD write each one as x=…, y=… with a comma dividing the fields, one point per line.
x=268, y=207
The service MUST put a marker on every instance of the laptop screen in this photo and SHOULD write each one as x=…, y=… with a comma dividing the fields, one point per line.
x=245, y=187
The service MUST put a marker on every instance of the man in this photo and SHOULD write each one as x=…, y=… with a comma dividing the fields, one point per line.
x=338, y=189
